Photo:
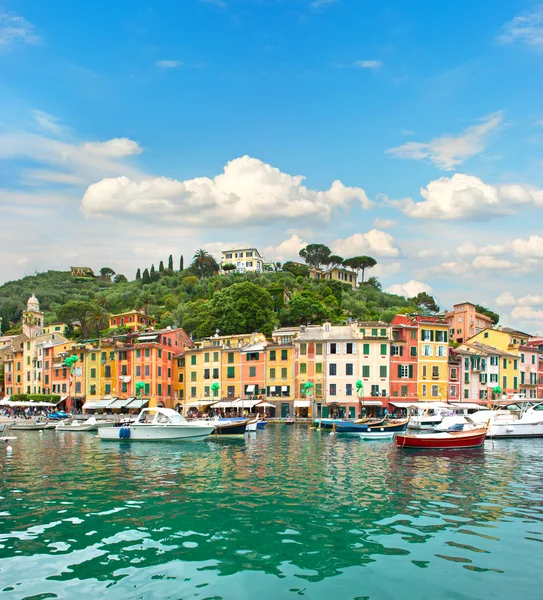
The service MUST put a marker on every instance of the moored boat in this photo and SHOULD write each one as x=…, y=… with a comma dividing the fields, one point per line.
x=4, y=430
x=90, y=424
x=261, y=424
x=22, y=426
x=516, y=420
x=252, y=424
x=226, y=427
x=377, y=435
x=158, y=424
x=380, y=426
x=444, y=440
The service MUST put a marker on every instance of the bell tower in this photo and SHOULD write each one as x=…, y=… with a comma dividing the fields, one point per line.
x=33, y=318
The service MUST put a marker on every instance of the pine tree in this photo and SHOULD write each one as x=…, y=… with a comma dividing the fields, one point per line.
x=146, y=278
x=152, y=272
x=170, y=263
x=161, y=267
x=181, y=266
x=138, y=275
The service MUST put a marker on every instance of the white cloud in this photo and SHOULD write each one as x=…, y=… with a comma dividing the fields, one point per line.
x=368, y=64
x=490, y=263
x=526, y=313
x=323, y=3
x=468, y=197
x=286, y=250
x=448, y=151
x=219, y=3
x=373, y=243
x=248, y=191
x=524, y=29
x=384, y=223
x=506, y=299
x=406, y=132
x=386, y=269
x=48, y=122
x=409, y=289
x=526, y=248
x=15, y=29
x=169, y=64
x=115, y=148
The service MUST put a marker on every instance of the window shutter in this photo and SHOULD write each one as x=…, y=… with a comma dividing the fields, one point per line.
x=410, y=371
x=399, y=371
x=401, y=350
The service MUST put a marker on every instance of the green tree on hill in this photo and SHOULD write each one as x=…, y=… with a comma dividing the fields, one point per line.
x=170, y=263
x=360, y=264
x=315, y=255
x=203, y=264
x=146, y=277
x=138, y=275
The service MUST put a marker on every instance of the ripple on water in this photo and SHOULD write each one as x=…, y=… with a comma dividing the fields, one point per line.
x=256, y=517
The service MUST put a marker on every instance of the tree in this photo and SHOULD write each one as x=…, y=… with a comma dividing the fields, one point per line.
x=29, y=321
x=203, y=264
x=146, y=277
x=106, y=273
x=360, y=264
x=97, y=319
x=138, y=275
x=76, y=310
x=374, y=282
x=4, y=323
x=198, y=319
x=425, y=301
x=315, y=255
x=152, y=273
x=244, y=308
x=161, y=267
x=296, y=270
x=334, y=261
x=144, y=299
x=305, y=308
x=170, y=263
x=489, y=313
x=119, y=278
x=181, y=263
x=229, y=267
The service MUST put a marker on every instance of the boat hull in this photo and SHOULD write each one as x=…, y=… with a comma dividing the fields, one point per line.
x=155, y=433
x=28, y=427
x=261, y=424
x=252, y=425
x=377, y=435
x=230, y=428
x=442, y=441
x=515, y=430
x=369, y=427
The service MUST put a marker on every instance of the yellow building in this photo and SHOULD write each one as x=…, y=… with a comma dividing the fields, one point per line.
x=245, y=260
x=57, y=327
x=433, y=358
x=511, y=342
x=134, y=319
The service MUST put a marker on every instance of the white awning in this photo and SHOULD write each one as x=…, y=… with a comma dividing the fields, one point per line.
x=137, y=403
x=284, y=388
x=62, y=398
x=272, y=388
x=250, y=388
x=98, y=404
x=264, y=405
x=199, y=403
x=27, y=403
x=148, y=337
x=302, y=403
x=120, y=402
x=371, y=403
x=241, y=403
x=402, y=404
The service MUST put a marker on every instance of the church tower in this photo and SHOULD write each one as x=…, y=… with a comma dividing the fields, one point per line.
x=33, y=318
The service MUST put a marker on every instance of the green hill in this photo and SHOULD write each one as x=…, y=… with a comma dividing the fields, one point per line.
x=233, y=303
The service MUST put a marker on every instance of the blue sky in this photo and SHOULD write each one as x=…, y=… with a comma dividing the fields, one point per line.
x=130, y=130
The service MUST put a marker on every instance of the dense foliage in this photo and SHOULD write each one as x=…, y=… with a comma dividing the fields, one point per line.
x=199, y=299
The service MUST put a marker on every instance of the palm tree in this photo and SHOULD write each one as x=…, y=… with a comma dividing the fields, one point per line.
x=144, y=299
x=97, y=319
x=203, y=264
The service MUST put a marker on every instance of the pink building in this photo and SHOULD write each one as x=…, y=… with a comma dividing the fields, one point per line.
x=537, y=342
x=529, y=370
x=465, y=322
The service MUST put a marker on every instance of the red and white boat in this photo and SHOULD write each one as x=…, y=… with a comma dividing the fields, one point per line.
x=440, y=441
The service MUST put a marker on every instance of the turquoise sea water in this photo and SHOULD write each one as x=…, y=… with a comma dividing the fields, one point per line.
x=287, y=512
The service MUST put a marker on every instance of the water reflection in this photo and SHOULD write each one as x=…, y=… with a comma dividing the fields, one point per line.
x=287, y=504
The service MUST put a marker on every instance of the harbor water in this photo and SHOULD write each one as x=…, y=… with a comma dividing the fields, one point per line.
x=286, y=512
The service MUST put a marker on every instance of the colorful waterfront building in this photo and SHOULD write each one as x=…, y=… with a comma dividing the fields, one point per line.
x=537, y=342
x=374, y=351
x=309, y=367
x=465, y=322
x=280, y=370
x=511, y=342
x=133, y=319
x=404, y=360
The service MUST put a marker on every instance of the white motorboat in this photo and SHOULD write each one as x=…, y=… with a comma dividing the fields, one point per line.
x=28, y=426
x=158, y=424
x=428, y=415
x=252, y=425
x=90, y=424
x=462, y=419
x=521, y=419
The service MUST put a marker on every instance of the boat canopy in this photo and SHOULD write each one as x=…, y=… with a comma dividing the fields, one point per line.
x=160, y=416
x=469, y=405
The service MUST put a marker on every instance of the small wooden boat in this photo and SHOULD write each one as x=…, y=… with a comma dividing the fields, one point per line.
x=22, y=426
x=441, y=441
x=90, y=424
x=288, y=421
x=261, y=424
x=377, y=435
x=252, y=425
x=4, y=429
x=230, y=427
x=380, y=426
